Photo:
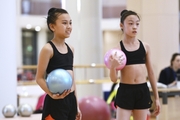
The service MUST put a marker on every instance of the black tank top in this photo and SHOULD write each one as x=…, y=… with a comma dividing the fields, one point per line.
x=59, y=60
x=134, y=57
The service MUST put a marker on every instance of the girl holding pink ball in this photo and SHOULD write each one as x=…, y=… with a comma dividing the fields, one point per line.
x=133, y=95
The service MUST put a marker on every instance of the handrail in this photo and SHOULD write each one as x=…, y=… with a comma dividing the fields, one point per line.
x=87, y=81
x=93, y=65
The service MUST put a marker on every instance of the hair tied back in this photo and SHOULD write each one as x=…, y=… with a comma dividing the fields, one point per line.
x=123, y=12
x=51, y=11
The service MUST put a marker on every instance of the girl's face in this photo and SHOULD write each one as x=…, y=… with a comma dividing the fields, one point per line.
x=176, y=62
x=131, y=25
x=63, y=26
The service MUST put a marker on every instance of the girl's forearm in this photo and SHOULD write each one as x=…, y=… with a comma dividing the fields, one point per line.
x=113, y=74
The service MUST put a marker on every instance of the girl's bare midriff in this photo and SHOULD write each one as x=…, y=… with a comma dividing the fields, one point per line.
x=133, y=74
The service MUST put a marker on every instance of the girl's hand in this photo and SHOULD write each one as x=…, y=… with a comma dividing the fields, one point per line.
x=115, y=60
x=61, y=96
x=157, y=108
x=79, y=115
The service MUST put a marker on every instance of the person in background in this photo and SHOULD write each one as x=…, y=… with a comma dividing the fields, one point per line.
x=169, y=75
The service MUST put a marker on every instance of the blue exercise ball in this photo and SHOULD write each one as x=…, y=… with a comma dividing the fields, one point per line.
x=59, y=80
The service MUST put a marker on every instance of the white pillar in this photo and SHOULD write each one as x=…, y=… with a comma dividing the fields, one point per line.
x=18, y=35
x=42, y=40
x=86, y=38
x=8, y=54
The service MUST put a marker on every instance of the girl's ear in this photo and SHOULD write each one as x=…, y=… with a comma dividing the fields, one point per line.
x=121, y=26
x=51, y=26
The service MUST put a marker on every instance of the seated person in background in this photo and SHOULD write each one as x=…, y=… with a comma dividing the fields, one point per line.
x=168, y=75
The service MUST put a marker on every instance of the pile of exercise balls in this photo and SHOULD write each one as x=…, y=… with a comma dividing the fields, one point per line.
x=24, y=110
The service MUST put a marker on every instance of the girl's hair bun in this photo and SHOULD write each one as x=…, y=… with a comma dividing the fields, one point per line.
x=51, y=10
x=123, y=12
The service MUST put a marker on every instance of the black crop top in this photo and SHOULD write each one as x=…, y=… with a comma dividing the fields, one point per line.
x=134, y=57
x=59, y=60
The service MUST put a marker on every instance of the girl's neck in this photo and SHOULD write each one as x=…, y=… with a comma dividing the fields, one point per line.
x=58, y=41
x=129, y=40
x=174, y=68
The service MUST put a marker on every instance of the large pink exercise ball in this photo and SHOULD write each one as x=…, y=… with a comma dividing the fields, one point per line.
x=59, y=80
x=94, y=108
x=119, y=53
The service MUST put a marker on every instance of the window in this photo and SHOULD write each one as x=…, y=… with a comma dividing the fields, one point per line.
x=32, y=7
x=29, y=47
x=112, y=8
